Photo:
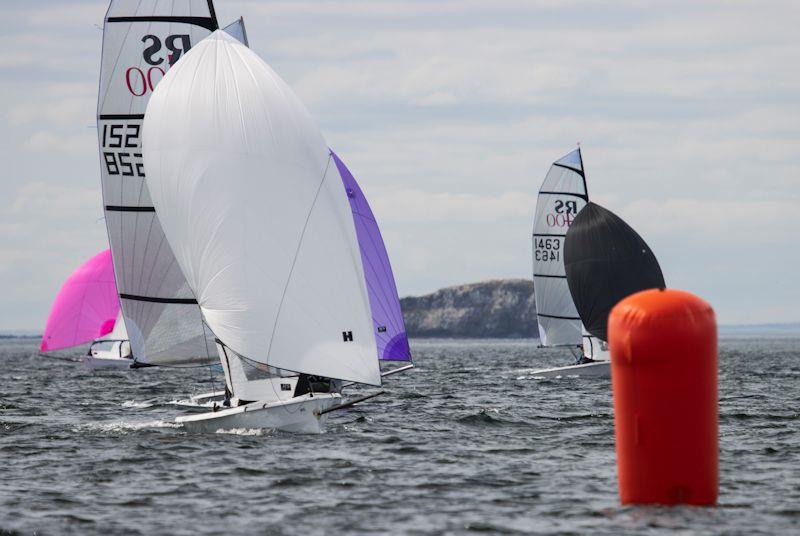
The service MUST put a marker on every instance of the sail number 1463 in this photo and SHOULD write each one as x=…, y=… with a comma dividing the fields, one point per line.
x=547, y=249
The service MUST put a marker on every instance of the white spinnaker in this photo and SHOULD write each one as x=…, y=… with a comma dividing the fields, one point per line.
x=141, y=38
x=252, y=206
x=236, y=369
x=561, y=197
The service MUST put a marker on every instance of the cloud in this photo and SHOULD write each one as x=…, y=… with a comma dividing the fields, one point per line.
x=437, y=98
x=768, y=223
x=398, y=206
x=50, y=143
x=47, y=231
x=63, y=104
x=449, y=112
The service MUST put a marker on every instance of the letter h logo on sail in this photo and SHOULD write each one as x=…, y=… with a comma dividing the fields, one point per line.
x=347, y=336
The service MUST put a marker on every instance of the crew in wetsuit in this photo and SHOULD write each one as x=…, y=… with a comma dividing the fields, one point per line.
x=316, y=384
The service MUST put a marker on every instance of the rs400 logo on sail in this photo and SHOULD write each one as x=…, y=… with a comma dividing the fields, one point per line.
x=565, y=212
x=159, y=55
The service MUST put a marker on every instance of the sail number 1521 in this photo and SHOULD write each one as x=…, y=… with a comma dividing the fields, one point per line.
x=122, y=154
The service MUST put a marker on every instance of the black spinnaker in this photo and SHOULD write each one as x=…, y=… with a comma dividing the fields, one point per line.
x=605, y=261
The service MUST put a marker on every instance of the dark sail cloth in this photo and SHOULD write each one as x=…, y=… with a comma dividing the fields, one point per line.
x=605, y=261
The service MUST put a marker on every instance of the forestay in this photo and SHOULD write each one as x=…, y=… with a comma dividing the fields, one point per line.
x=85, y=306
x=387, y=316
x=143, y=39
x=251, y=203
x=562, y=195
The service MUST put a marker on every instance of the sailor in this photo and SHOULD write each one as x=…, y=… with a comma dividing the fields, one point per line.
x=315, y=384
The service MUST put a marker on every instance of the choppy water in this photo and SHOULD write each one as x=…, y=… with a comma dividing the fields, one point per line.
x=466, y=443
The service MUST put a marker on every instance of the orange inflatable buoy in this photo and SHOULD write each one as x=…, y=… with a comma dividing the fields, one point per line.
x=664, y=375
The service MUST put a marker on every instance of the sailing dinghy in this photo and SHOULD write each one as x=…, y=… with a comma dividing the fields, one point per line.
x=112, y=350
x=250, y=201
x=562, y=196
x=86, y=310
x=388, y=322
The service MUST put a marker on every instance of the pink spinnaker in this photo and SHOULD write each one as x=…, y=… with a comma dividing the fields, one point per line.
x=85, y=308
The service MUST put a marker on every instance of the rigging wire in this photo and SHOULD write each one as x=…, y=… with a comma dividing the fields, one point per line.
x=208, y=355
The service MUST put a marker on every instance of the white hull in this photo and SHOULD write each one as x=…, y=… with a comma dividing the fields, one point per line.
x=117, y=356
x=202, y=401
x=597, y=369
x=299, y=415
x=95, y=362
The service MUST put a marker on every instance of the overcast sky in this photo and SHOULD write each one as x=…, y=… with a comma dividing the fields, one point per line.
x=449, y=113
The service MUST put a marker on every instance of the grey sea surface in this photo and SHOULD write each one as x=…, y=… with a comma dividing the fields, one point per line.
x=468, y=442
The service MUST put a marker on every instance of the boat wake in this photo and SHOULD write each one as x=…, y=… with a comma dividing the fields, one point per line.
x=125, y=426
x=242, y=431
x=135, y=404
x=529, y=375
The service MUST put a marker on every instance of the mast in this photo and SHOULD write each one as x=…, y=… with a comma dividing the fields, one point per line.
x=141, y=42
x=561, y=197
x=251, y=203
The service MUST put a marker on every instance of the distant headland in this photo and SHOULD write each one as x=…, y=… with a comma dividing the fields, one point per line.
x=497, y=308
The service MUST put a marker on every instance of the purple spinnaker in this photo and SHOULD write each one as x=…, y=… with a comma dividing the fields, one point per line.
x=387, y=317
x=85, y=308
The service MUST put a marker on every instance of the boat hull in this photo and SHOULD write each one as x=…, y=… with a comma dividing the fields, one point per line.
x=94, y=362
x=299, y=415
x=597, y=369
x=204, y=401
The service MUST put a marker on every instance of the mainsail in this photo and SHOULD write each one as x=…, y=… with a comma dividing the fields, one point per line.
x=561, y=197
x=606, y=261
x=142, y=40
x=387, y=317
x=251, y=203
x=86, y=306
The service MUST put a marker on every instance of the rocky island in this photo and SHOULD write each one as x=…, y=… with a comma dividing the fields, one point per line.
x=497, y=308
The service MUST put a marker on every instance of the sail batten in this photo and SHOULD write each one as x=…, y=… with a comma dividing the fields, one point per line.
x=561, y=197
x=241, y=178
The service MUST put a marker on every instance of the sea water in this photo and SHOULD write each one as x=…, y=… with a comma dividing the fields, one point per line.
x=467, y=442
